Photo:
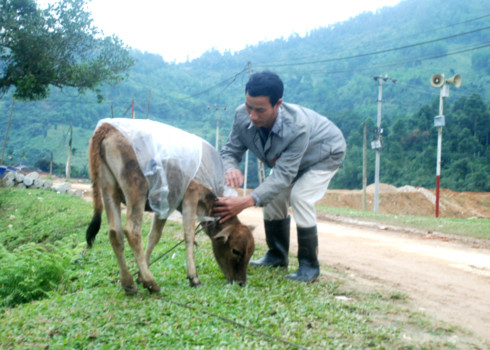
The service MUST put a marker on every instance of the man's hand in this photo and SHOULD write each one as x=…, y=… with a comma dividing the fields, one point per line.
x=234, y=178
x=227, y=207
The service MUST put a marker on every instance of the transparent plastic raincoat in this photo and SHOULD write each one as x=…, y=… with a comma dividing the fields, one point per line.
x=169, y=159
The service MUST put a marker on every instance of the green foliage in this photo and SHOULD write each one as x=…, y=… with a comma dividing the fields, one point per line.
x=57, y=46
x=32, y=270
x=38, y=219
x=330, y=70
x=481, y=61
x=474, y=228
x=410, y=149
x=36, y=245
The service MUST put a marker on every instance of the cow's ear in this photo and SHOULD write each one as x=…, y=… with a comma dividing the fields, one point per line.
x=252, y=227
x=223, y=234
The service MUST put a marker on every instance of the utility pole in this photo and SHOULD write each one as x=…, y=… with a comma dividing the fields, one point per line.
x=364, y=167
x=245, y=175
x=260, y=165
x=148, y=106
x=377, y=143
x=8, y=128
x=439, y=81
x=70, y=145
x=218, y=108
x=246, y=153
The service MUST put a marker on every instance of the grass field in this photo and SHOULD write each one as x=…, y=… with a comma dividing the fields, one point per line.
x=57, y=294
x=475, y=227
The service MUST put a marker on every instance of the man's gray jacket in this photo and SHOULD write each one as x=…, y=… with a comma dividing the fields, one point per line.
x=300, y=140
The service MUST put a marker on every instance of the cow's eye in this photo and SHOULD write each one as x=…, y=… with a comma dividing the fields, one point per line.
x=236, y=252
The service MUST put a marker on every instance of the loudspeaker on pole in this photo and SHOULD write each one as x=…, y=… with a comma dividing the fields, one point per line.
x=437, y=80
x=455, y=80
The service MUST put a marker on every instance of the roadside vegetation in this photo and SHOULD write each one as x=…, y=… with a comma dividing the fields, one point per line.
x=470, y=228
x=55, y=293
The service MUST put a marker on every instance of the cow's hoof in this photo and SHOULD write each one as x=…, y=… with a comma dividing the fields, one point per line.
x=194, y=282
x=130, y=290
x=139, y=279
x=152, y=287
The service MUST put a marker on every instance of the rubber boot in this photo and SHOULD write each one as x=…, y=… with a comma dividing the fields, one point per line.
x=309, y=268
x=277, y=238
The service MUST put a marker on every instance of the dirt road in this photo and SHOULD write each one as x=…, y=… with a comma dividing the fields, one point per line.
x=445, y=279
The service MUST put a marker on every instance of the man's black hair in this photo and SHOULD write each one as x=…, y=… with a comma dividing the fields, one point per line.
x=265, y=84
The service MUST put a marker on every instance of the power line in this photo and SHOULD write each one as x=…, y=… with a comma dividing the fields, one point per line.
x=380, y=51
x=230, y=80
x=455, y=24
x=386, y=41
x=372, y=67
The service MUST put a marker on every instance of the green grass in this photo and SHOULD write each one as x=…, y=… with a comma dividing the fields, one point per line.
x=476, y=228
x=83, y=307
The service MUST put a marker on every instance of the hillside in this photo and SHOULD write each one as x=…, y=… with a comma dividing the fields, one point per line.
x=330, y=70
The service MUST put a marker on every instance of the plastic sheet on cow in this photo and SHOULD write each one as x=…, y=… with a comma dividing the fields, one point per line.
x=170, y=158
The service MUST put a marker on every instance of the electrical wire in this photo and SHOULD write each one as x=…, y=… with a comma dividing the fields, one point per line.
x=372, y=53
x=392, y=64
x=230, y=80
x=386, y=41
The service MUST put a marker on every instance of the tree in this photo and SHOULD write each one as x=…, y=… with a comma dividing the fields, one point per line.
x=481, y=61
x=58, y=47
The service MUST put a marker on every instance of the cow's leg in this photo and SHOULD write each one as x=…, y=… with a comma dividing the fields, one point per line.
x=134, y=220
x=116, y=237
x=153, y=239
x=189, y=206
x=154, y=236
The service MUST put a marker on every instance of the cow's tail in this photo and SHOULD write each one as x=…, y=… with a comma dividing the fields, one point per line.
x=95, y=158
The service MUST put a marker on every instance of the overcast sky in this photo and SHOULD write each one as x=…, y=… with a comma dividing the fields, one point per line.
x=184, y=29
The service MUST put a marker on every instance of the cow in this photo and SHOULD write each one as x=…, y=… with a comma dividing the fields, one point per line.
x=128, y=164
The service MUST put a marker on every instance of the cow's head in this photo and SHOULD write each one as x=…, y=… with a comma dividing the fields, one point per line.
x=233, y=247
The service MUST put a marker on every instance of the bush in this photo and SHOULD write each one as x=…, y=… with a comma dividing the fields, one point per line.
x=32, y=270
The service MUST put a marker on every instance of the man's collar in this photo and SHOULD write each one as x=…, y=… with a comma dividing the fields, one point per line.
x=277, y=127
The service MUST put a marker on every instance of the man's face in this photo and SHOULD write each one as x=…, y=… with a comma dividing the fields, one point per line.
x=260, y=111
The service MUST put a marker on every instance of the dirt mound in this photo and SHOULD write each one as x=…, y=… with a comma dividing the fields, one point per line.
x=413, y=201
x=382, y=188
x=407, y=199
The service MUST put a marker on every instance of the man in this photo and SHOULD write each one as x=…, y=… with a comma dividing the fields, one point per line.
x=304, y=150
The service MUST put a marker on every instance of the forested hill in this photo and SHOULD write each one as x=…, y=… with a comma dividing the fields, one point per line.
x=330, y=70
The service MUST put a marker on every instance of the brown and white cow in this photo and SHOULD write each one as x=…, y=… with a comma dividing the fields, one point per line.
x=118, y=178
